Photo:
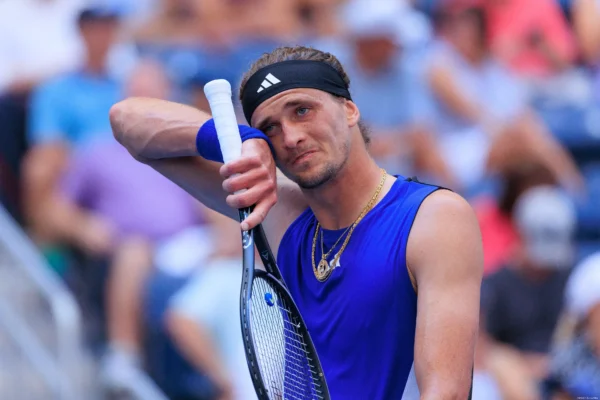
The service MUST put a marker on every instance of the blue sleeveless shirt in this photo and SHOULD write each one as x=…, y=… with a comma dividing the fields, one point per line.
x=362, y=319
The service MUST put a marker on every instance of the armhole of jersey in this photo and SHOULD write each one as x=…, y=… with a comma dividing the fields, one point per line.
x=411, y=276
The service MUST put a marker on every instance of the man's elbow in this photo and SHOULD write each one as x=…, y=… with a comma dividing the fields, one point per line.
x=446, y=394
x=117, y=115
x=457, y=389
x=125, y=120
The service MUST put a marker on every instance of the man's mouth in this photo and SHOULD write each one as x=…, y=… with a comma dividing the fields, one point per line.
x=303, y=157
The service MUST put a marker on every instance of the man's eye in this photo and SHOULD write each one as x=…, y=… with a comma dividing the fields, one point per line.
x=302, y=111
x=271, y=130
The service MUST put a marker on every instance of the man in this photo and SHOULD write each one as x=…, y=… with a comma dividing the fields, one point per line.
x=533, y=38
x=107, y=212
x=574, y=367
x=388, y=87
x=29, y=56
x=376, y=338
x=521, y=303
x=203, y=317
x=63, y=115
x=488, y=131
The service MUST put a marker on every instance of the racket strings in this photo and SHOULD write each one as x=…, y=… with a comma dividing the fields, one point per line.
x=283, y=357
x=298, y=353
x=268, y=347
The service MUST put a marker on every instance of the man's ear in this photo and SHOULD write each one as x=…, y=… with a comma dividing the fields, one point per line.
x=352, y=113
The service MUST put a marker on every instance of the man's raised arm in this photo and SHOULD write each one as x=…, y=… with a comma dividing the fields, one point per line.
x=163, y=134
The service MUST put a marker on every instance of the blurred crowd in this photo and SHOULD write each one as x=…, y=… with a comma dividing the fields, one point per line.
x=498, y=100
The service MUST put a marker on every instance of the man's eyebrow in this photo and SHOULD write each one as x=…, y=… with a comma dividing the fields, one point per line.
x=289, y=104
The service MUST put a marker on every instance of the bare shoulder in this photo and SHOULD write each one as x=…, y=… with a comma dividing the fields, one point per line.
x=446, y=205
x=445, y=231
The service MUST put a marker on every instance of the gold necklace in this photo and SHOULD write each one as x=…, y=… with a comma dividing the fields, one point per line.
x=323, y=270
x=326, y=255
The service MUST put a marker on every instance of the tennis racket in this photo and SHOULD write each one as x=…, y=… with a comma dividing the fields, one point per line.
x=281, y=356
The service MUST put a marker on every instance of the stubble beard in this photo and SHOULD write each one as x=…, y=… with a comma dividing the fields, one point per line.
x=327, y=173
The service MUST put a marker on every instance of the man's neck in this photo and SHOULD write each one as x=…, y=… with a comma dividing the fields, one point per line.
x=340, y=201
x=95, y=65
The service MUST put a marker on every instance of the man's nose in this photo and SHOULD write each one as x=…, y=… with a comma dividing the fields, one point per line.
x=293, y=135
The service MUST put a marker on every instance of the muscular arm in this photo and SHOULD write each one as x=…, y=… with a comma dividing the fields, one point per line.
x=445, y=255
x=42, y=167
x=162, y=134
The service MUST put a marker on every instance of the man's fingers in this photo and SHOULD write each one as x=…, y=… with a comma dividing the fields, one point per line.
x=250, y=197
x=246, y=180
x=258, y=215
x=239, y=166
x=251, y=181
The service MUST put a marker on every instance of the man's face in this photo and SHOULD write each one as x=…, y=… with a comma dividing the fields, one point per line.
x=375, y=53
x=99, y=35
x=466, y=31
x=148, y=80
x=310, y=131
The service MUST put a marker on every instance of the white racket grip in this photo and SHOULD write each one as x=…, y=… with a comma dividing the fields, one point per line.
x=218, y=94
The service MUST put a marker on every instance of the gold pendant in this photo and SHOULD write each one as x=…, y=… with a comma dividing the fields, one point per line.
x=323, y=270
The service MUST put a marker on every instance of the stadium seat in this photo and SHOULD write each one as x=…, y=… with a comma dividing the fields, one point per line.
x=578, y=129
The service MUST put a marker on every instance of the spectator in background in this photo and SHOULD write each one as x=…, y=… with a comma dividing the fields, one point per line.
x=116, y=210
x=29, y=56
x=531, y=36
x=496, y=217
x=214, y=37
x=173, y=22
x=387, y=87
x=481, y=114
x=242, y=21
x=68, y=112
x=318, y=18
x=575, y=362
x=521, y=304
x=204, y=316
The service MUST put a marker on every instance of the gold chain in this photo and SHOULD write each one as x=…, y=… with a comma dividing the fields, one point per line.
x=325, y=255
x=324, y=269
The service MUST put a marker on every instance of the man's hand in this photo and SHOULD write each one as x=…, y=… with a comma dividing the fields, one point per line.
x=96, y=236
x=254, y=173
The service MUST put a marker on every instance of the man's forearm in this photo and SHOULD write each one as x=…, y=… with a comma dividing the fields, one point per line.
x=155, y=129
x=198, y=347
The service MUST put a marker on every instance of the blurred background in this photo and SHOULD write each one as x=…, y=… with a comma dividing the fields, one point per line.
x=115, y=284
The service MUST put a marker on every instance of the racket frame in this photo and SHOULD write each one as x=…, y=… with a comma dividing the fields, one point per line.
x=256, y=236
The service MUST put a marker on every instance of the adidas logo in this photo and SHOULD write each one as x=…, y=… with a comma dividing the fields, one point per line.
x=269, y=81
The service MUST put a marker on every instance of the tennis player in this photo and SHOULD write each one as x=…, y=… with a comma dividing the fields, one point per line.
x=386, y=271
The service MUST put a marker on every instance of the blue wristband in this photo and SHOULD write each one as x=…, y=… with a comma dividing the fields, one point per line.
x=207, y=141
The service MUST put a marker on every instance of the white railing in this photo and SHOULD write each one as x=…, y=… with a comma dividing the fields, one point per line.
x=63, y=366
x=60, y=370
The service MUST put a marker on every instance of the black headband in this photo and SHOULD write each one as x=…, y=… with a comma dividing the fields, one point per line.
x=279, y=77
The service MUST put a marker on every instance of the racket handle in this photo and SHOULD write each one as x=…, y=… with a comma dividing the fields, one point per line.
x=218, y=94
